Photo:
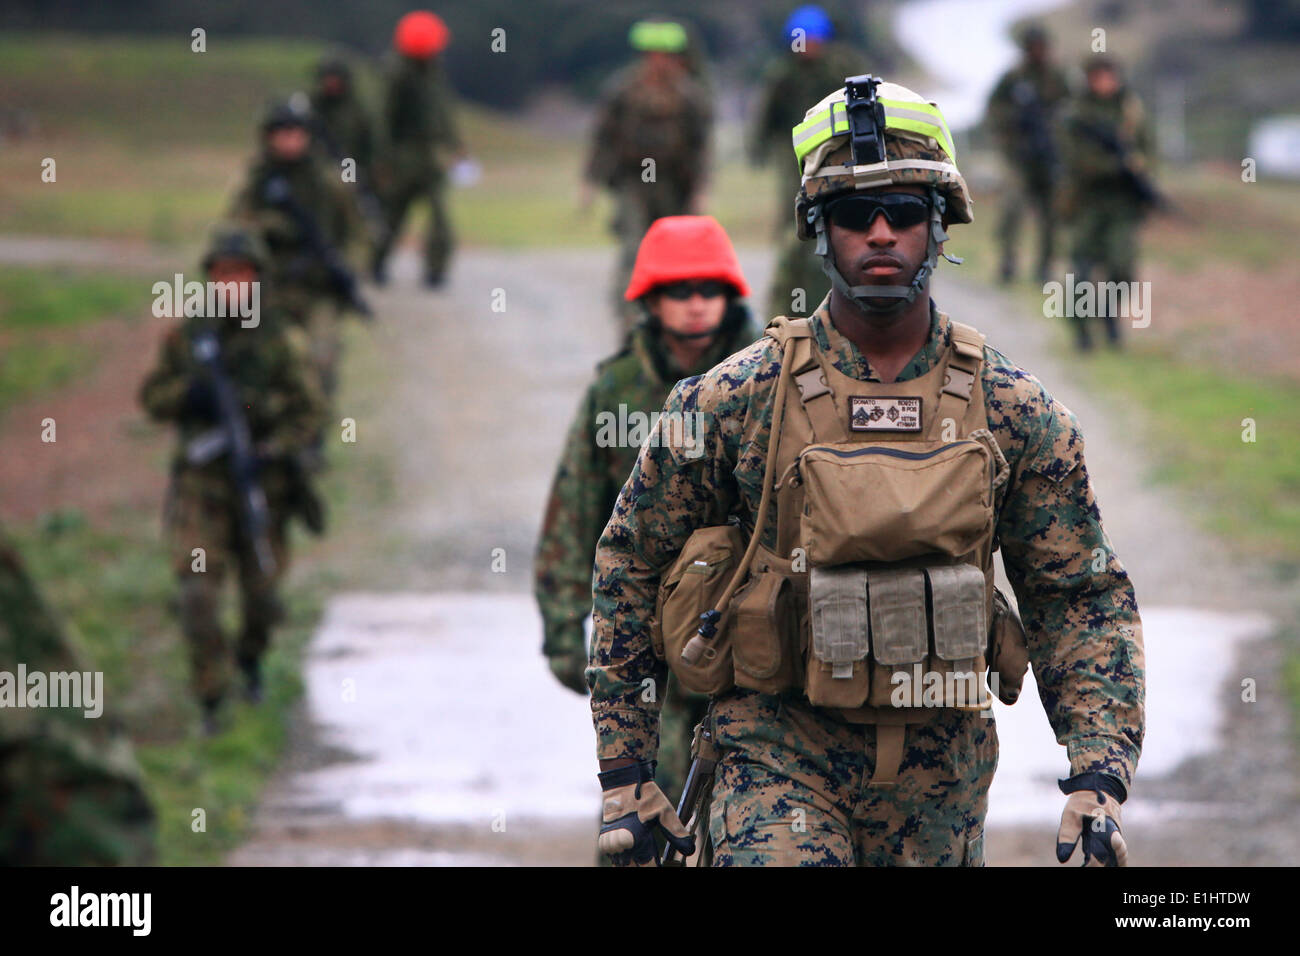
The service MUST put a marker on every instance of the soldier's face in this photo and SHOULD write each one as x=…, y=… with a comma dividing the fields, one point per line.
x=696, y=315
x=1103, y=82
x=237, y=273
x=288, y=143
x=882, y=254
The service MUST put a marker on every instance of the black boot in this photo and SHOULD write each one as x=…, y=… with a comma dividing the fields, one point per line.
x=210, y=707
x=252, y=671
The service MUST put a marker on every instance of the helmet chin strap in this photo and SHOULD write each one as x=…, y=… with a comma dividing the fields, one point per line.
x=864, y=295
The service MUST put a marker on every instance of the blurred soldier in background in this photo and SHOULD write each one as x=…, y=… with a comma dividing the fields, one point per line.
x=247, y=406
x=688, y=283
x=420, y=124
x=1023, y=114
x=813, y=65
x=1108, y=150
x=301, y=212
x=343, y=130
x=650, y=144
x=70, y=788
x=341, y=119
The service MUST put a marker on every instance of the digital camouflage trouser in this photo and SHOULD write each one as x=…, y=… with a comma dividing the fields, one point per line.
x=1104, y=248
x=202, y=514
x=408, y=184
x=636, y=206
x=793, y=788
x=1034, y=195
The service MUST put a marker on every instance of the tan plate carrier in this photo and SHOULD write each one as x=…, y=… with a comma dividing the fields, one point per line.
x=878, y=602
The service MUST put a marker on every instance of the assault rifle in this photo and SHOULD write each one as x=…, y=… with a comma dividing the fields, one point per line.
x=1145, y=190
x=277, y=192
x=231, y=437
x=372, y=210
x=698, y=786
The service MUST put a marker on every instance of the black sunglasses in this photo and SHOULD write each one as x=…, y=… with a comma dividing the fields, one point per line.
x=681, y=291
x=858, y=212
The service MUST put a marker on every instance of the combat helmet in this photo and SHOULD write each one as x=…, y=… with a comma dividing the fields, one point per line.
x=235, y=240
x=658, y=36
x=293, y=110
x=870, y=134
x=421, y=35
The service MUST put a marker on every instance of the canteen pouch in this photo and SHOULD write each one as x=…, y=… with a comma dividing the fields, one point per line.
x=838, y=671
x=899, y=632
x=1008, y=651
x=764, y=641
x=865, y=502
x=692, y=586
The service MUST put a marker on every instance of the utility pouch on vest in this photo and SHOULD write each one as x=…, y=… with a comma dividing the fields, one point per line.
x=691, y=587
x=765, y=634
x=1008, y=651
x=868, y=502
x=899, y=634
x=959, y=624
x=839, y=618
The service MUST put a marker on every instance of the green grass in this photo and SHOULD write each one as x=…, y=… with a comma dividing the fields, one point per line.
x=50, y=298
x=29, y=369
x=34, y=301
x=1250, y=490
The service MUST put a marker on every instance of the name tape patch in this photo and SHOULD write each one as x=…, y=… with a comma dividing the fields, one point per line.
x=869, y=413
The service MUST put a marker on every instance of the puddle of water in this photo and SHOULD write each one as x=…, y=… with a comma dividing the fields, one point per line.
x=448, y=704
x=1189, y=656
x=965, y=45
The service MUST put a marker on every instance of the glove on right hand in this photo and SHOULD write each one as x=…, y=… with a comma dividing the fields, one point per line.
x=634, y=808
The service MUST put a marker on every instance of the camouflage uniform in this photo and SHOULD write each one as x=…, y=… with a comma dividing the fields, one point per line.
x=269, y=366
x=344, y=121
x=639, y=119
x=420, y=121
x=582, y=496
x=71, y=792
x=303, y=290
x=1104, y=209
x=1022, y=112
x=795, y=79
x=780, y=753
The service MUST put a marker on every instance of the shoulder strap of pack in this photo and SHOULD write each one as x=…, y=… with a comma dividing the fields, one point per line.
x=807, y=375
x=965, y=359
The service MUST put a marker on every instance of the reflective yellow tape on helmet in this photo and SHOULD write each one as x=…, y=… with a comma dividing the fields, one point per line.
x=651, y=36
x=817, y=129
x=919, y=118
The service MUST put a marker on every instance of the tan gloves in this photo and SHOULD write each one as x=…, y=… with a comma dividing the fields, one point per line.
x=1092, y=815
x=634, y=808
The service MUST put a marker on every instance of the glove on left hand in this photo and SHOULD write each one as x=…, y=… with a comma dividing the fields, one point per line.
x=1092, y=813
